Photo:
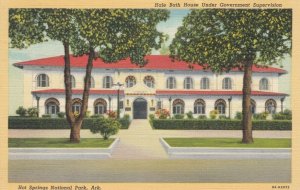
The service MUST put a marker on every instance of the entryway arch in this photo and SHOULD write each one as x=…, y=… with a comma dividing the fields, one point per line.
x=140, y=108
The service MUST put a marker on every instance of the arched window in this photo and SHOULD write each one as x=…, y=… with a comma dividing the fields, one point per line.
x=76, y=105
x=220, y=105
x=149, y=81
x=270, y=106
x=130, y=81
x=178, y=106
x=227, y=83
x=199, y=106
x=204, y=83
x=188, y=83
x=52, y=106
x=92, y=84
x=73, y=81
x=107, y=82
x=171, y=83
x=263, y=84
x=100, y=106
x=253, y=106
x=42, y=80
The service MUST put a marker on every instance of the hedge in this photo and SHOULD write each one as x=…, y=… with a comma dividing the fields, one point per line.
x=209, y=124
x=52, y=123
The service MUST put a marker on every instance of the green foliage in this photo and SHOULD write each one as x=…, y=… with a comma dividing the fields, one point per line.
x=238, y=115
x=125, y=121
x=213, y=114
x=97, y=116
x=151, y=116
x=106, y=127
x=46, y=116
x=61, y=114
x=87, y=114
x=202, y=117
x=209, y=124
x=21, y=111
x=189, y=115
x=222, y=39
x=178, y=116
x=32, y=112
x=223, y=117
x=285, y=115
x=260, y=116
x=52, y=123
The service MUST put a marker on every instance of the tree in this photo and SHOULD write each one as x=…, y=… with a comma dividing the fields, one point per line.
x=223, y=39
x=108, y=34
x=105, y=126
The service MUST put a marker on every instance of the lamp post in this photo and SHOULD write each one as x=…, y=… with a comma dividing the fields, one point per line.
x=229, y=102
x=37, y=104
x=170, y=99
x=118, y=97
x=109, y=103
x=281, y=100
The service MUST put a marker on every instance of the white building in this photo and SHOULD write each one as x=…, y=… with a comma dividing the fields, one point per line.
x=160, y=84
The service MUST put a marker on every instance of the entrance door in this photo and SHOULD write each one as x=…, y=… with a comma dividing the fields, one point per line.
x=140, y=109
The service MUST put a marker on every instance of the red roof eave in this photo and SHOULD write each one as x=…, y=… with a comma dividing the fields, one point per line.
x=77, y=91
x=216, y=92
x=155, y=62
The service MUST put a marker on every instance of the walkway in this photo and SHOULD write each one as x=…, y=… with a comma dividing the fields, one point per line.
x=139, y=142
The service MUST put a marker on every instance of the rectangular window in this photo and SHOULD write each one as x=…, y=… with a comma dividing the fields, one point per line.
x=159, y=106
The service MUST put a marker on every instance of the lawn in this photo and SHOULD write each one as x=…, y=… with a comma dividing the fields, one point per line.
x=228, y=142
x=58, y=143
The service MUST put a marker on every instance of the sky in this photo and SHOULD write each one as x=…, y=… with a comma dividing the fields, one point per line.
x=55, y=48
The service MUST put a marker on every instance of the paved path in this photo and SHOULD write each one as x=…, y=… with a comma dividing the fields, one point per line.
x=139, y=142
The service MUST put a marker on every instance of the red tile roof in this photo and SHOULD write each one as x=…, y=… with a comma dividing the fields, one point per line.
x=155, y=62
x=163, y=92
x=215, y=92
x=77, y=91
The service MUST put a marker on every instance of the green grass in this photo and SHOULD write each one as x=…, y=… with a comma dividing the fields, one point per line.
x=228, y=142
x=58, y=143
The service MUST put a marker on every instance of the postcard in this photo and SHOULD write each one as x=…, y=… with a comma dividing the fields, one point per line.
x=149, y=95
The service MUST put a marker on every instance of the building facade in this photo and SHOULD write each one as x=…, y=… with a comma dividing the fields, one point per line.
x=161, y=84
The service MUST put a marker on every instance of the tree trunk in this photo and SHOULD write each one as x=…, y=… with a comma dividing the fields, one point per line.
x=247, y=114
x=75, y=132
x=87, y=82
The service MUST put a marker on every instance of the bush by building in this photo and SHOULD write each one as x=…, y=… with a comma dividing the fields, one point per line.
x=53, y=123
x=189, y=115
x=178, y=116
x=285, y=115
x=105, y=126
x=213, y=114
x=21, y=111
x=209, y=124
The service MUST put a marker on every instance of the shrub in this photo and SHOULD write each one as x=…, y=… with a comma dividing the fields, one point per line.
x=46, y=116
x=178, y=116
x=106, y=127
x=260, y=116
x=76, y=114
x=285, y=115
x=213, y=114
x=238, y=115
x=112, y=114
x=32, y=112
x=189, y=115
x=162, y=113
x=96, y=116
x=61, y=114
x=202, y=124
x=21, y=111
x=87, y=114
x=151, y=116
x=202, y=117
x=223, y=117
x=125, y=121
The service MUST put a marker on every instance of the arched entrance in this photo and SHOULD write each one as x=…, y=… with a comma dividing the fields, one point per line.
x=140, y=109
